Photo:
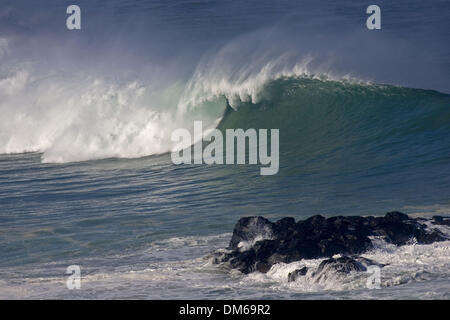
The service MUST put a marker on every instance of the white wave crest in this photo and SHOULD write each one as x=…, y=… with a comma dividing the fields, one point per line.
x=404, y=264
x=83, y=115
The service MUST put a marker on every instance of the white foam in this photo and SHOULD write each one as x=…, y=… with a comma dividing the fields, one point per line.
x=404, y=264
x=264, y=233
x=82, y=114
x=83, y=117
x=246, y=81
x=177, y=267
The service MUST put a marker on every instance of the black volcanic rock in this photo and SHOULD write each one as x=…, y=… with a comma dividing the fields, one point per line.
x=258, y=243
x=294, y=275
x=248, y=228
x=342, y=264
x=347, y=264
x=444, y=221
x=367, y=262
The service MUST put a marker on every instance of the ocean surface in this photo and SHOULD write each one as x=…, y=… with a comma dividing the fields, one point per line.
x=86, y=176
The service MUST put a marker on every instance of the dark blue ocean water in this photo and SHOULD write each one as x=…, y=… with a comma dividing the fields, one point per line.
x=86, y=117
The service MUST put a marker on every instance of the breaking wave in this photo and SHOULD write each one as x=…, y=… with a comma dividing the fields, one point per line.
x=83, y=115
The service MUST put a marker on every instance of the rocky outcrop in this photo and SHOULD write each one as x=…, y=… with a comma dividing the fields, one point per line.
x=346, y=264
x=258, y=243
x=443, y=221
x=294, y=275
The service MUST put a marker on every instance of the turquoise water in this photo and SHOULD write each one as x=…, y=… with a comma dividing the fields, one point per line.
x=85, y=177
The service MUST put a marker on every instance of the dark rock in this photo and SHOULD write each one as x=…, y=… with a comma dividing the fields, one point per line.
x=342, y=264
x=368, y=262
x=268, y=243
x=430, y=237
x=294, y=275
x=284, y=227
x=396, y=216
x=243, y=261
x=248, y=228
x=444, y=221
x=265, y=248
x=263, y=267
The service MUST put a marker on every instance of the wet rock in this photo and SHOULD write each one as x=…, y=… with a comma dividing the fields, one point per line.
x=243, y=261
x=248, y=229
x=294, y=275
x=342, y=264
x=258, y=243
x=444, y=221
x=399, y=229
x=368, y=262
x=262, y=267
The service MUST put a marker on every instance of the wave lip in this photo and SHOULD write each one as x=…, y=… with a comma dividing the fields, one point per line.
x=80, y=115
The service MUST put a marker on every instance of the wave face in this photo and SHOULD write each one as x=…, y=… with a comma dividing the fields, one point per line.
x=138, y=71
x=338, y=135
x=346, y=140
x=348, y=127
x=322, y=117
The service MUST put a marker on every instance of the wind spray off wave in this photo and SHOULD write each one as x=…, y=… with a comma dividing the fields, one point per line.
x=85, y=115
x=91, y=112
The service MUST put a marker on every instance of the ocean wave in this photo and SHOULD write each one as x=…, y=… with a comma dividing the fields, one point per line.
x=85, y=115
